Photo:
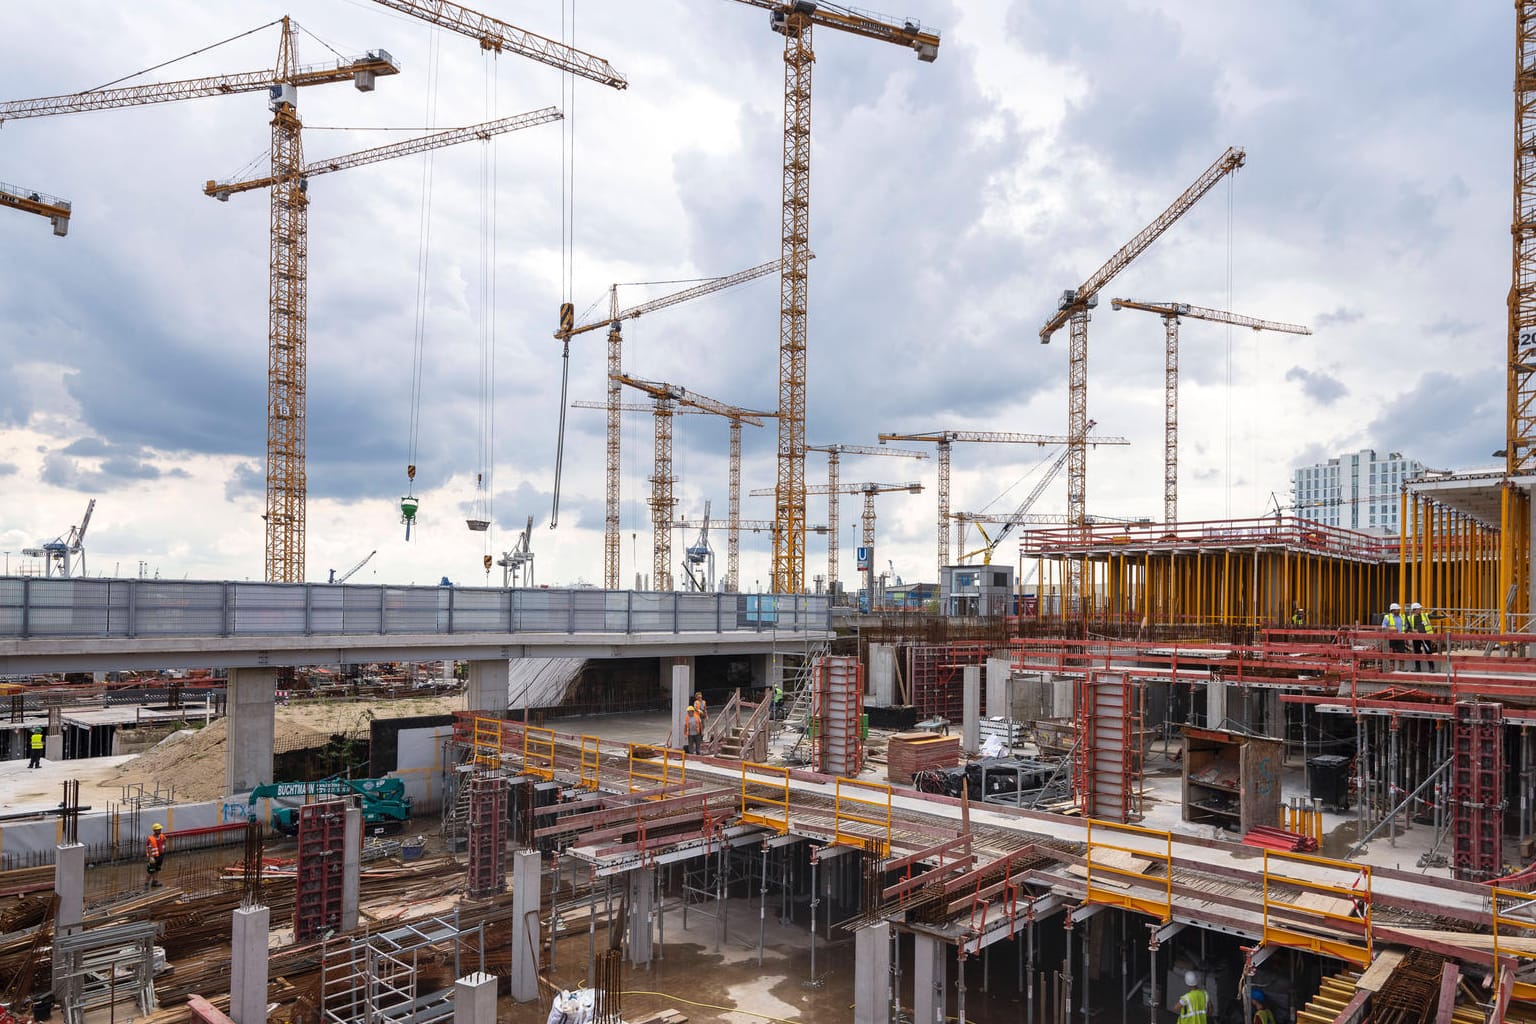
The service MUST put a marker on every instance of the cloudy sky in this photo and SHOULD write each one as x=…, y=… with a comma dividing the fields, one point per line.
x=952, y=203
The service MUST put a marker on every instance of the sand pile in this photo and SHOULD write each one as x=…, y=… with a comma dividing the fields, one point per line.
x=192, y=760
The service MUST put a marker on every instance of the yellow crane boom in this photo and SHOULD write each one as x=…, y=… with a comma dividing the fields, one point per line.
x=611, y=465
x=795, y=20
x=1073, y=307
x=834, y=453
x=1172, y=312
x=29, y=200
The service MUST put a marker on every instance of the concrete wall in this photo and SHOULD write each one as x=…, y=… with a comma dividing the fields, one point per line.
x=28, y=843
x=419, y=762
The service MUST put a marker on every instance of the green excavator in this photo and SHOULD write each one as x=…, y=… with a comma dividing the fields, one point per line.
x=384, y=804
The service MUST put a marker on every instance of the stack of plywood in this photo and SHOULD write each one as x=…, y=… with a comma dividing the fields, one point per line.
x=912, y=752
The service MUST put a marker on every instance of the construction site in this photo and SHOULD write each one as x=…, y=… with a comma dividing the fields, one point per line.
x=1275, y=768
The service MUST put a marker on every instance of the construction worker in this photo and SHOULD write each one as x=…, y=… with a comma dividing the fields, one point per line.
x=1262, y=1014
x=1395, y=622
x=154, y=853
x=35, y=748
x=1299, y=618
x=1419, y=624
x=701, y=707
x=1192, y=1004
x=778, y=701
x=693, y=728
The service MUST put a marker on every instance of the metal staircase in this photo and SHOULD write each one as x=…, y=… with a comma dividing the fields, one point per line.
x=798, y=690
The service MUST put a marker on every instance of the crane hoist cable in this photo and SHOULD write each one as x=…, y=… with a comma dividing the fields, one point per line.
x=567, y=242
x=409, y=503
x=486, y=414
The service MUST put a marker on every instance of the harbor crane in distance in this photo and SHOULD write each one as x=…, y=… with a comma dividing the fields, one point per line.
x=1072, y=308
x=354, y=570
x=64, y=556
x=519, y=559
x=1171, y=312
x=699, y=559
x=663, y=504
x=611, y=465
x=945, y=439
x=29, y=200
x=795, y=20
x=834, y=453
x=867, y=537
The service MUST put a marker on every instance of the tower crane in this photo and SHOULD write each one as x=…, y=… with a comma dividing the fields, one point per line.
x=795, y=20
x=1171, y=312
x=287, y=280
x=519, y=559
x=667, y=397
x=834, y=454
x=699, y=559
x=867, y=538
x=945, y=439
x=614, y=322
x=352, y=571
x=64, y=556
x=1073, y=307
x=32, y=201
x=1515, y=564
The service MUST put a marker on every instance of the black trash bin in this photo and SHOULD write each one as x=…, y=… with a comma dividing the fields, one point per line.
x=1328, y=780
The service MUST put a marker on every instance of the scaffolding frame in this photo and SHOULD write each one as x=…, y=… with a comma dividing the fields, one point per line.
x=373, y=978
x=89, y=963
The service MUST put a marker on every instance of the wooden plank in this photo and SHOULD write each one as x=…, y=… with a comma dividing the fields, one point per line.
x=205, y=1011
x=1112, y=859
x=1447, y=1008
x=1375, y=976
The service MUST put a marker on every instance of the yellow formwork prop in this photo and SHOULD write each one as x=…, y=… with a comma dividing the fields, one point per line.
x=1338, y=925
x=869, y=815
x=652, y=767
x=539, y=752
x=1149, y=844
x=591, y=761
x=487, y=742
x=765, y=796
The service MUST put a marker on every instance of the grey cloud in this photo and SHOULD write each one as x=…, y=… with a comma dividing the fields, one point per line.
x=8, y=469
x=1445, y=420
x=1317, y=385
x=1340, y=317
x=1451, y=327
x=61, y=470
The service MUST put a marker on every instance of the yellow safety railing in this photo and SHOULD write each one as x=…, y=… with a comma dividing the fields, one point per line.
x=765, y=802
x=487, y=740
x=539, y=752
x=1104, y=859
x=869, y=816
x=656, y=767
x=1335, y=920
x=591, y=761
x=1513, y=909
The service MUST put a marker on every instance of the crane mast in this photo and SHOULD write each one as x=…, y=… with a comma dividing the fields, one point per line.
x=1520, y=380
x=1171, y=312
x=1072, y=311
x=834, y=453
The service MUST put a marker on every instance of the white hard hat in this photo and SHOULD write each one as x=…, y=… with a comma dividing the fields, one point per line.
x=1394, y=607
x=1191, y=979
x=1415, y=606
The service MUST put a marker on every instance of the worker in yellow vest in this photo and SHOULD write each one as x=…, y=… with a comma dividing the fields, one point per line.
x=1396, y=623
x=1192, y=1004
x=36, y=745
x=1419, y=624
x=1261, y=1011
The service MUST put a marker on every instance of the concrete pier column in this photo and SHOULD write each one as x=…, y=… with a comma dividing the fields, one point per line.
x=351, y=867
x=999, y=687
x=970, y=726
x=53, y=746
x=525, y=925
x=882, y=675
x=474, y=999
x=928, y=981
x=682, y=696
x=248, y=751
x=642, y=901
x=69, y=883
x=1215, y=704
x=489, y=686
x=248, y=964
x=1063, y=698
x=872, y=974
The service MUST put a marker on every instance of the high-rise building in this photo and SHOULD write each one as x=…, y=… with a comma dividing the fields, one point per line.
x=1357, y=491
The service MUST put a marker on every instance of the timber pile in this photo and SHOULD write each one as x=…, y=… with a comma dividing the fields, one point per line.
x=911, y=752
x=1267, y=837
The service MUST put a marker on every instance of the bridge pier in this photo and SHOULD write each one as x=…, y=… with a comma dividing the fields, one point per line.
x=488, y=687
x=252, y=725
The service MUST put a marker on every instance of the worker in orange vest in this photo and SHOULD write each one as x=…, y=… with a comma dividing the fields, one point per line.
x=154, y=853
x=701, y=707
x=693, y=728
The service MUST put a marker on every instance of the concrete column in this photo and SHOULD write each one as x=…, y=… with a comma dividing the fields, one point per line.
x=525, y=925
x=69, y=883
x=928, y=982
x=882, y=675
x=682, y=696
x=872, y=974
x=1215, y=704
x=999, y=692
x=642, y=900
x=249, y=706
x=489, y=687
x=474, y=999
x=775, y=670
x=1063, y=698
x=970, y=727
x=351, y=867
x=248, y=964
x=53, y=746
